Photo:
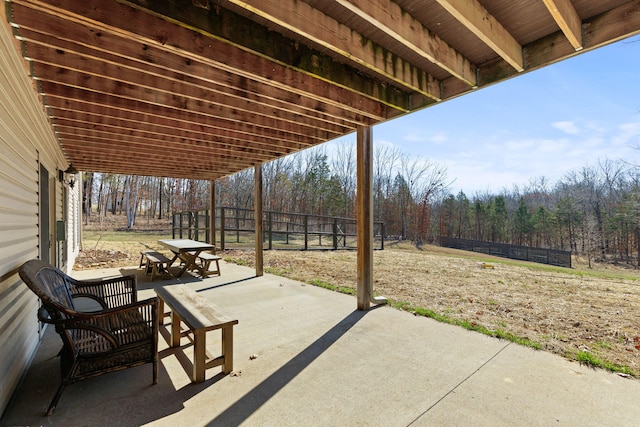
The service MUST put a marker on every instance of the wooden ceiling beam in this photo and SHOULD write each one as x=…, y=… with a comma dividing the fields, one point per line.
x=108, y=163
x=77, y=99
x=92, y=113
x=352, y=90
x=567, y=19
x=95, y=142
x=87, y=120
x=486, y=27
x=73, y=37
x=144, y=140
x=616, y=24
x=54, y=61
x=405, y=29
x=313, y=25
x=611, y=26
x=103, y=87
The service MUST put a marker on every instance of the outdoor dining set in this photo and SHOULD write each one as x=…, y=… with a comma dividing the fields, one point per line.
x=104, y=328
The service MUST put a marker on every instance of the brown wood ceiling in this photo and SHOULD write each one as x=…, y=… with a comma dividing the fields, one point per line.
x=205, y=88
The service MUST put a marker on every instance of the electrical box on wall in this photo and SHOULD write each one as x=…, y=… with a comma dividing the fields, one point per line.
x=60, y=230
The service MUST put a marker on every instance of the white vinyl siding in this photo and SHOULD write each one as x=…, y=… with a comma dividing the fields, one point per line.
x=26, y=138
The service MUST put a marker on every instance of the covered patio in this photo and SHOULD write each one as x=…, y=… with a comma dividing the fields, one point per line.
x=318, y=361
x=202, y=89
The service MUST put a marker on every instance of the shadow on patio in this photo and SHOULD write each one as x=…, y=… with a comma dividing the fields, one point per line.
x=319, y=362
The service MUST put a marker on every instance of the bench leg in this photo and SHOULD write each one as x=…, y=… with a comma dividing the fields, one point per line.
x=160, y=311
x=199, y=355
x=175, y=330
x=154, y=270
x=227, y=349
x=206, y=263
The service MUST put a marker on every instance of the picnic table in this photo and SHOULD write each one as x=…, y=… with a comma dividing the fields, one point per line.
x=188, y=252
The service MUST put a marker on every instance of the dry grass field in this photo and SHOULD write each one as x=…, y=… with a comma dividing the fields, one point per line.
x=590, y=315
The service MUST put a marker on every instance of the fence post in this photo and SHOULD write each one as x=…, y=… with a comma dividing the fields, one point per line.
x=173, y=226
x=181, y=225
x=382, y=235
x=335, y=233
x=222, y=228
x=306, y=232
x=238, y=225
x=196, y=226
x=270, y=230
x=206, y=226
x=287, y=238
x=345, y=233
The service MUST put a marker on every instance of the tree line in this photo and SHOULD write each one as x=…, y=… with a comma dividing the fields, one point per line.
x=594, y=211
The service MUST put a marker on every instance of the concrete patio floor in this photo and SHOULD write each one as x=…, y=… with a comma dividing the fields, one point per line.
x=320, y=362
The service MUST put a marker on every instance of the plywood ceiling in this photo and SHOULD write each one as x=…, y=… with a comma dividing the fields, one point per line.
x=205, y=88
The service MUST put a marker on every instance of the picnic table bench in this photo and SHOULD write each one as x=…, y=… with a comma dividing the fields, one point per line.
x=206, y=258
x=200, y=316
x=188, y=252
x=154, y=263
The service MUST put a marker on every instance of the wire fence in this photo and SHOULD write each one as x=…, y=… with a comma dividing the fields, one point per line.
x=525, y=253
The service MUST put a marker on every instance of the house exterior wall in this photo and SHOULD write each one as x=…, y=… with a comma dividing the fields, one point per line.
x=27, y=141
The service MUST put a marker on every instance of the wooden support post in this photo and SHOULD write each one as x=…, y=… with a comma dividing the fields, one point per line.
x=212, y=216
x=364, y=216
x=257, y=202
x=364, y=154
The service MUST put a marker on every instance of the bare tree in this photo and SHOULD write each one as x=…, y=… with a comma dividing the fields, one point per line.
x=343, y=167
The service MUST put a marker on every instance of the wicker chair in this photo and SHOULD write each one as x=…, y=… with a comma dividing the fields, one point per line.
x=123, y=333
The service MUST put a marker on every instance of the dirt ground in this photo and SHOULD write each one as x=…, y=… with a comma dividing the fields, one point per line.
x=566, y=311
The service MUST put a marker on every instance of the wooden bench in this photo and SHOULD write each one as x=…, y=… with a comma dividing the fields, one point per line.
x=154, y=263
x=206, y=258
x=200, y=316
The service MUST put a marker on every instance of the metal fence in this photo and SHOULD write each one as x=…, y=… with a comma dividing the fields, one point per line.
x=525, y=253
x=235, y=228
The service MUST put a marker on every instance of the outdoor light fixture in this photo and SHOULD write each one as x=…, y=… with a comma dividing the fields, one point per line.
x=70, y=171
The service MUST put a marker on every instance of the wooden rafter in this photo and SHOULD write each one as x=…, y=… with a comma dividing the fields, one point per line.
x=148, y=30
x=229, y=84
x=484, y=25
x=255, y=40
x=167, y=67
x=340, y=39
x=311, y=24
x=568, y=20
x=402, y=27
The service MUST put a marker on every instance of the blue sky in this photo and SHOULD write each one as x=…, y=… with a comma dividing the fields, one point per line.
x=543, y=123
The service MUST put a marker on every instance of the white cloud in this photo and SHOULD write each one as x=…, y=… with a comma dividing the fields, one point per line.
x=567, y=127
x=629, y=133
x=426, y=137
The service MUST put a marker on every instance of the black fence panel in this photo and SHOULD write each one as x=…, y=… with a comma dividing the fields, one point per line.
x=235, y=228
x=524, y=253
